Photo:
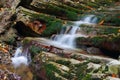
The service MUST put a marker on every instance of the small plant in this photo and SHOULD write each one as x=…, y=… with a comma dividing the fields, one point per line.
x=81, y=71
x=50, y=71
x=63, y=62
x=34, y=50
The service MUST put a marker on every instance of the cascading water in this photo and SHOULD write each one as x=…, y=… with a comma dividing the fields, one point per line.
x=90, y=19
x=66, y=38
x=20, y=57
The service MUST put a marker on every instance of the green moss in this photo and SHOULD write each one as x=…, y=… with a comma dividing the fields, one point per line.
x=97, y=61
x=74, y=56
x=26, y=41
x=34, y=50
x=81, y=71
x=63, y=62
x=112, y=19
x=72, y=15
x=98, y=40
x=53, y=27
x=53, y=24
x=70, y=8
x=91, y=4
x=87, y=77
x=50, y=69
x=56, y=11
x=101, y=30
x=111, y=30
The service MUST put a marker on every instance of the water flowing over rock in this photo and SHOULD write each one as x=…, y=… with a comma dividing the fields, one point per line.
x=20, y=58
x=90, y=19
x=67, y=35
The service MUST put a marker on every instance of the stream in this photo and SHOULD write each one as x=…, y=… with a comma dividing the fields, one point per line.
x=65, y=40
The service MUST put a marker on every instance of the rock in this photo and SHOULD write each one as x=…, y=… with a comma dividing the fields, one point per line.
x=112, y=78
x=8, y=9
x=108, y=45
x=93, y=66
x=5, y=58
x=69, y=14
x=93, y=50
x=4, y=20
x=10, y=3
x=27, y=16
x=114, y=67
x=98, y=76
x=9, y=36
x=24, y=72
x=38, y=66
x=7, y=75
x=30, y=30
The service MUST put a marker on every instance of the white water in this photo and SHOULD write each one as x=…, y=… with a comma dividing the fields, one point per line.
x=19, y=58
x=67, y=38
x=90, y=19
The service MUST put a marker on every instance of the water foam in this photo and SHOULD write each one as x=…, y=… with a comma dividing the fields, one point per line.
x=67, y=39
x=19, y=58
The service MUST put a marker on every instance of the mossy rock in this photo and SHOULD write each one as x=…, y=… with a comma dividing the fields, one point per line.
x=56, y=11
x=112, y=19
x=53, y=24
x=100, y=29
x=105, y=43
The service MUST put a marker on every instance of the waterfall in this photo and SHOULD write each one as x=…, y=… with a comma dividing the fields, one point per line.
x=90, y=19
x=20, y=57
x=67, y=36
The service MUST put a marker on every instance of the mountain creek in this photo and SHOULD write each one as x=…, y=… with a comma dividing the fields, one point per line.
x=59, y=40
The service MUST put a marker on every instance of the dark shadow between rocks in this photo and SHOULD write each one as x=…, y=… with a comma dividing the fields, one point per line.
x=112, y=54
x=24, y=30
x=24, y=3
